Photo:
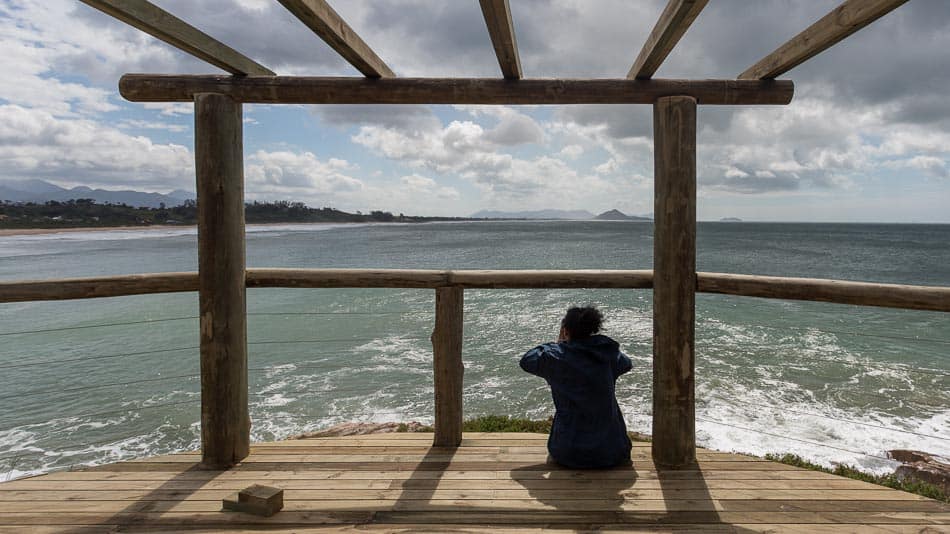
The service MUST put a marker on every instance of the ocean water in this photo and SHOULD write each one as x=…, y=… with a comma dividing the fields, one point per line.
x=94, y=381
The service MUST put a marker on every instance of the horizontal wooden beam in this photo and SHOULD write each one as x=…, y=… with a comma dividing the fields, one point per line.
x=497, y=15
x=474, y=279
x=159, y=23
x=97, y=287
x=329, y=26
x=324, y=90
x=673, y=23
x=836, y=291
x=933, y=298
x=849, y=17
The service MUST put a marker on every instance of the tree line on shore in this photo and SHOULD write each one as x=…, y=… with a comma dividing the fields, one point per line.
x=88, y=213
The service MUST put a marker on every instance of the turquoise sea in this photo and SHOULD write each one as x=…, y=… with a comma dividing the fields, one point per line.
x=95, y=381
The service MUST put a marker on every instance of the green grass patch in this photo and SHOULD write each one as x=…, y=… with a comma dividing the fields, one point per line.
x=503, y=423
x=890, y=481
x=492, y=423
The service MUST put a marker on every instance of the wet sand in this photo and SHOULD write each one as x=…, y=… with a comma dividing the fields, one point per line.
x=37, y=231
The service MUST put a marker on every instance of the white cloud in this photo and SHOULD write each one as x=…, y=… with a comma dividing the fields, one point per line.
x=469, y=150
x=733, y=172
x=608, y=167
x=571, y=151
x=29, y=80
x=460, y=147
x=151, y=125
x=931, y=165
x=427, y=187
x=36, y=144
x=279, y=174
x=171, y=109
x=512, y=127
x=302, y=176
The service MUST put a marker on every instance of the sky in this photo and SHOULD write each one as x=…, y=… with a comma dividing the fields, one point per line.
x=866, y=138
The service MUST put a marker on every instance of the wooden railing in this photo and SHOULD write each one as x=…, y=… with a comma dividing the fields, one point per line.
x=217, y=415
x=911, y=297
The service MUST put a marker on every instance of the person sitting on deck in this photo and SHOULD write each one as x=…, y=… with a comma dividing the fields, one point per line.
x=582, y=368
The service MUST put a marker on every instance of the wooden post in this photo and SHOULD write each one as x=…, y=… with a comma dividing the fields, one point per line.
x=674, y=281
x=447, y=363
x=219, y=165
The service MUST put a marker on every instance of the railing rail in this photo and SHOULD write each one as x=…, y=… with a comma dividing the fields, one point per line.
x=913, y=297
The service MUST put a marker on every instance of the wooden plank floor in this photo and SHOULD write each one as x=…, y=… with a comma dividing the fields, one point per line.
x=494, y=482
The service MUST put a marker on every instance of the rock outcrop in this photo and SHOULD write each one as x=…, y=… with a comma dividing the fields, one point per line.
x=922, y=467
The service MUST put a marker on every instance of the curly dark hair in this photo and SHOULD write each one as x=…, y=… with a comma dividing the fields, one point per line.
x=582, y=322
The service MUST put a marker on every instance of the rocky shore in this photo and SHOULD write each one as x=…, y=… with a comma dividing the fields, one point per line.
x=922, y=467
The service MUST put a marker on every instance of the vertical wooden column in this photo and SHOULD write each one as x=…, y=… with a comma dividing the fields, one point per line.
x=447, y=363
x=674, y=281
x=219, y=165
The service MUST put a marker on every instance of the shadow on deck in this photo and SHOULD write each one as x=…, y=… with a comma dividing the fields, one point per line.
x=493, y=482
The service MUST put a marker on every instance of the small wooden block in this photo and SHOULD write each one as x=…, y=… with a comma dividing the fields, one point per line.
x=262, y=495
x=258, y=500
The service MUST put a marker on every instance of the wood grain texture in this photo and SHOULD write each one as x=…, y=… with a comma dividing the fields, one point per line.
x=847, y=18
x=674, y=281
x=672, y=24
x=329, y=26
x=161, y=24
x=469, y=279
x=219, y=166
x=497, y=15
x=913, y=297
x=97, y=287
x=907, y=297
x=447, y=366
x=500, y=495
x=328, y=90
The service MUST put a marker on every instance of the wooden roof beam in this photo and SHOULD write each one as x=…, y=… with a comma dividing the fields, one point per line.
x=357, y=90
x=498, y=19
x=673, y=23
x=329, y=26
x=849, y=17
x=159, y=23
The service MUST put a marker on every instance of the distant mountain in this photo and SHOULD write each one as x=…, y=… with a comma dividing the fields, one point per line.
x=538, y=214
x=730, y=219
x=34, y=186
x=39, y=191
x=617, y=215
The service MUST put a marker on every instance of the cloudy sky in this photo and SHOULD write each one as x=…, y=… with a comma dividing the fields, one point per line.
x=867, y=137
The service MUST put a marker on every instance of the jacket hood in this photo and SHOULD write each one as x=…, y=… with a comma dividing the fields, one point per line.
x=596, y=346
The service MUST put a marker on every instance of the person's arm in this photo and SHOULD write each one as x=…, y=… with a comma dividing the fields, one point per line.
x=537, y=361
x=623, y=363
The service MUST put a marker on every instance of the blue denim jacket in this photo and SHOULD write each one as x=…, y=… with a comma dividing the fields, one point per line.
x=588, y=430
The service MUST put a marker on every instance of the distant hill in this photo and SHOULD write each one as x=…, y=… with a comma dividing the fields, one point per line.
x=730, y=219
x=617, y=215
x=39, y=191
x=538, y=214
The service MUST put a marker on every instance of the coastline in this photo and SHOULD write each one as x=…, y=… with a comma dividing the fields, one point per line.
x=6, y=232
x=10, y=232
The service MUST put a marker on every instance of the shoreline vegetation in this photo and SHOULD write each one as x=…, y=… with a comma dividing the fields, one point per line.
x=86, y=214
x=503, y=423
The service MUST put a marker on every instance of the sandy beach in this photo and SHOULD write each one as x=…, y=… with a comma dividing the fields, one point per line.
x=37, y=231
x=6, y=232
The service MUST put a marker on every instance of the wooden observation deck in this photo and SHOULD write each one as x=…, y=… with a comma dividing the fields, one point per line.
x=441, y=481
x=491, y=483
